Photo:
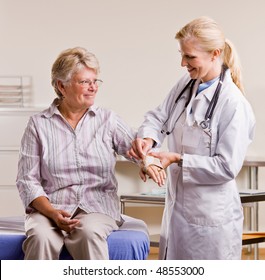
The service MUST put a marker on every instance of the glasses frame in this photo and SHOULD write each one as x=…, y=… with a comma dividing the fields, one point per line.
x=88, y=83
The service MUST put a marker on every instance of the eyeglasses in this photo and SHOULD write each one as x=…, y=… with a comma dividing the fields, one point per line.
x=89, y=83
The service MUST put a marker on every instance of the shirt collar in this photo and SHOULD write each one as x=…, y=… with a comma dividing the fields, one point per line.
x=53, y=109
x=208, y=92
x=205, y=85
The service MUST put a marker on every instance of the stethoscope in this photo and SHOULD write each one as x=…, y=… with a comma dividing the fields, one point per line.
x=209, y=113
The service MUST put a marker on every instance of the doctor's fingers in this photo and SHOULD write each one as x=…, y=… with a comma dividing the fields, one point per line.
x=160, y=155
x=132, y=154
x=136, y=149
x=141, y=146
x=156, y=155
x=166, y=158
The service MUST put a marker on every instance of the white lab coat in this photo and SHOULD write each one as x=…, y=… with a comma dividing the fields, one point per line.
x=203, y=216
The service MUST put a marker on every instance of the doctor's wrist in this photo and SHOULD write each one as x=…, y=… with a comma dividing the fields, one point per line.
x=150, y=142
x=180, y=160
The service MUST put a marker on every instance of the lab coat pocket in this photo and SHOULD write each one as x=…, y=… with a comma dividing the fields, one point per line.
x=196, y=140
x=204, y=205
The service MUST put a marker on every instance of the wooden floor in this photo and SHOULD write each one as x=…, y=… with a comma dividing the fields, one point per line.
x=250, y=255
x=246, y=255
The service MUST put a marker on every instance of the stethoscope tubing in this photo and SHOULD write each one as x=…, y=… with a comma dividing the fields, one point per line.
x=189, y=84
x=209, y=113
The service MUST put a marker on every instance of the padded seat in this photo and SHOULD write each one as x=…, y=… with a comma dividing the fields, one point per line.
x=130, y=242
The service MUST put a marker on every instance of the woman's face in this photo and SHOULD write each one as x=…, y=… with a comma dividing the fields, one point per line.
x=199, y=63
x=81, y=91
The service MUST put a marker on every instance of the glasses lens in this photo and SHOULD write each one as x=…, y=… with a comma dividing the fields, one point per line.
x=98, y=82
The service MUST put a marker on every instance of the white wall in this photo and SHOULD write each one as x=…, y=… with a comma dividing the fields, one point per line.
x=134, y=42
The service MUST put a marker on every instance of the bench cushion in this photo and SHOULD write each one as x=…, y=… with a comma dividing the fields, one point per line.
x=130, y=242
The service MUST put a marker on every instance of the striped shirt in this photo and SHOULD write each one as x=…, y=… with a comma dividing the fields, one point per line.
x=73, y=167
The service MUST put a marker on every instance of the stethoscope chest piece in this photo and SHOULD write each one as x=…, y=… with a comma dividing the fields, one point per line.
x=204, y=124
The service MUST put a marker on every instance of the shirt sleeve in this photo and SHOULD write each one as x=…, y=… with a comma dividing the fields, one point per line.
x=28, y=177
x=123, y=135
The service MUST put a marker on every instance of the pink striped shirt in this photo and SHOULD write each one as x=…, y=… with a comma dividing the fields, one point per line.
x=73, y=167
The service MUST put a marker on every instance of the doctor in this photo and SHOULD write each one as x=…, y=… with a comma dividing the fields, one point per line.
x=209, y=124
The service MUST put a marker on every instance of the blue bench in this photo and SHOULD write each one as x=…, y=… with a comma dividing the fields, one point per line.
x=130, y=242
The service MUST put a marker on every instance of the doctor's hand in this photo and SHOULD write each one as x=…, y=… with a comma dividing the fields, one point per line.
x=166, y=158
x=140, y=148
x=156, y=173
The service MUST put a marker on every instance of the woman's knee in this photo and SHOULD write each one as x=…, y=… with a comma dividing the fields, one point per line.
x=101, y=227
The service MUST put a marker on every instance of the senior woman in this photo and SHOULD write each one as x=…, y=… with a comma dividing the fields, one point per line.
x=66, y=166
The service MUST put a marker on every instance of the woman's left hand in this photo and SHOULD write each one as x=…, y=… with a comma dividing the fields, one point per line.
x=154, y=172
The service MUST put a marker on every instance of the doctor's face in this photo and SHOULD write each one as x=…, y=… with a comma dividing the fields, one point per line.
x=199, y=63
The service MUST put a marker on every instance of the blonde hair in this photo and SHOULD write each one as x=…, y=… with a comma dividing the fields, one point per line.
x=70, y=62
x=211, y=37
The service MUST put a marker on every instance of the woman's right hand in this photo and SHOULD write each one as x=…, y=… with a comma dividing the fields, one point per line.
x=63, y=221
x=60, y=217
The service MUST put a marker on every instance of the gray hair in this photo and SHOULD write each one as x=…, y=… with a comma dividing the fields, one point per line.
x=70, y=62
